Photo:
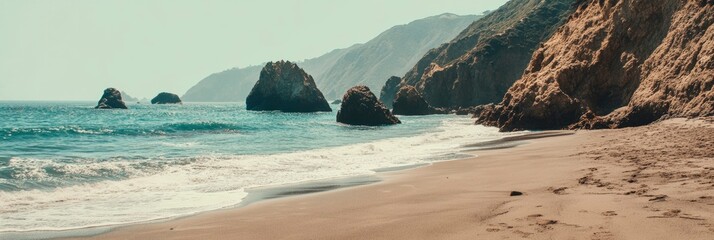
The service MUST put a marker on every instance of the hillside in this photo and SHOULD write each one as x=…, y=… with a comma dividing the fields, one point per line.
x=233, y=85
x=392, y=52
x=483, y=61
x=128, y=98
x=616, y=64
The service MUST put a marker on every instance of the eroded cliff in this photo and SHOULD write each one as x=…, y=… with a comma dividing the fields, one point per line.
x=616, y=63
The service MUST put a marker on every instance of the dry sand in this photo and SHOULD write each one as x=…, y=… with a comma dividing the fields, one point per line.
x=653, y=182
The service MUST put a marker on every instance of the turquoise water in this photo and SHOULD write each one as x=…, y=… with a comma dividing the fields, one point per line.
x=65, y=165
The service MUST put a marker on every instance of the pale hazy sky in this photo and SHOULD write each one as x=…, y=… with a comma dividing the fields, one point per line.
x=72, y=50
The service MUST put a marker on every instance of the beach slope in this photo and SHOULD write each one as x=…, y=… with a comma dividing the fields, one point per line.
x=651, y=182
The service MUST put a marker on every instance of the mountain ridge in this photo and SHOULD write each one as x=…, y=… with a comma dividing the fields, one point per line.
x=368, y=63
x=482, y=62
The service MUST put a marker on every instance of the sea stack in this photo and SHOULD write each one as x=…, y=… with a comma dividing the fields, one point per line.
x=410, y=102
x=284, y=86
x=389, y=89
x=361, y=107
x=111, y=99
x=166, y=98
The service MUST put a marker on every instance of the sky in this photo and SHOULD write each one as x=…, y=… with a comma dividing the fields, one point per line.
x=74, y=49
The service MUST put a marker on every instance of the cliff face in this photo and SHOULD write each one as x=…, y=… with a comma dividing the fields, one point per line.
x=616, y=64
x=393, y=52
x=482, y=62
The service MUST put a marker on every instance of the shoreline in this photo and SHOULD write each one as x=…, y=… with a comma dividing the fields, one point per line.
x=309, y=188
x=275, y=192
x=651, y=182
x=255, y=195
x=148, y=199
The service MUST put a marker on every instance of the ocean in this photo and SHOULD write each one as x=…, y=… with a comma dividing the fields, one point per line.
x=66, y=165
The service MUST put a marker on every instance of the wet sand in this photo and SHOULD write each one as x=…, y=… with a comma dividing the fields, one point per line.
x=652, y=182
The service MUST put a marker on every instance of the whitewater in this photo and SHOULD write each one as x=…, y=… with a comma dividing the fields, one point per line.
x=64, y=165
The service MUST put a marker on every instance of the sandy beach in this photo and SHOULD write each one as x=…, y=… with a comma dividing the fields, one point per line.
x=651, y=182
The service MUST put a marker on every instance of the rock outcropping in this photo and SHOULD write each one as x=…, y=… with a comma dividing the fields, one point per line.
x=410, y=102
x=361, y=107
x=389, y=90
x=286, y=87
x=111, y=99
x=482, y=62
x=166, y=98
x=616, y=64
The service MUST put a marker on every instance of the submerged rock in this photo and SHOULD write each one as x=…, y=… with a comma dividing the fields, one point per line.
x=389, y=90
x=337, y=101
x=361, y=107
x=410, y=102
x=286, y=87
x=111, y=99
x=166, y=98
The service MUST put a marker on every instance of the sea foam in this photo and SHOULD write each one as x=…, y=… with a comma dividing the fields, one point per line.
x=153, y=189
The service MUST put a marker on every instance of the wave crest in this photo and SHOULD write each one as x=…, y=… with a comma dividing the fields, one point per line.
x=171, y=128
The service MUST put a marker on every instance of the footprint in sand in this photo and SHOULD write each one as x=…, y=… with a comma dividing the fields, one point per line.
x=709, y=200
x=505, y=225
x=659, y=198
x=523, y=234
x=546, y=222
x=609, y=213
x=603, y=235
x=558, y=191
x=498, y=228
x=668, y=214
x=671, y=213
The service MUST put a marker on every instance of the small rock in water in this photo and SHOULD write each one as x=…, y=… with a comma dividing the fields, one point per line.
x=361, y=107
x=111, y=99
x=409, y=101
x=166, y=98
